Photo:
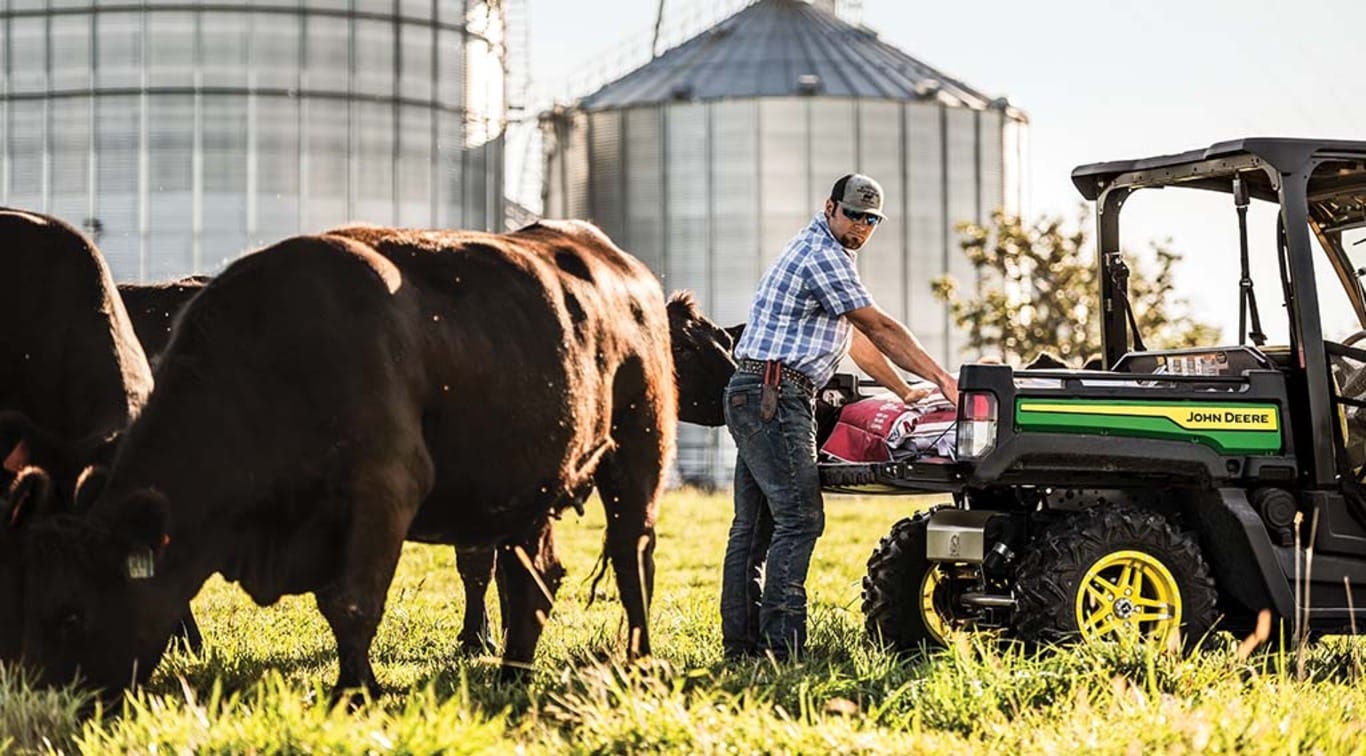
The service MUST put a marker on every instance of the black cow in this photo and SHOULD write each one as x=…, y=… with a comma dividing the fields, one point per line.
x=70, y=364
x=330, y=396
x=702, y=359
x=703, y=366
x=152, y=309
x=71, y=373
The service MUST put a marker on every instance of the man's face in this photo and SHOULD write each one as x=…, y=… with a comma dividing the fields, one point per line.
x=850, y=233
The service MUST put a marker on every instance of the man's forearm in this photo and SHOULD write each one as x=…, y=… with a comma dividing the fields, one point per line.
x=902, y=348
x=872, y=361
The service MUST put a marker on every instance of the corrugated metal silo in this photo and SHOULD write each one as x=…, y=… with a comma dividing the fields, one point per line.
x=707, y=160
x=183, y=133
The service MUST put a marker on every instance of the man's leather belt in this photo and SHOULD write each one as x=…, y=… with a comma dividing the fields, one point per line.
x=757, y=367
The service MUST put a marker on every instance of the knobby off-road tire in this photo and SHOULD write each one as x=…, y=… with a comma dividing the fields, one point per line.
x=845, y=476
x=1110, y=570
x=899, y=591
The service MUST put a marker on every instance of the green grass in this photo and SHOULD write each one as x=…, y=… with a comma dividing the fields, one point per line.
x=261, y=684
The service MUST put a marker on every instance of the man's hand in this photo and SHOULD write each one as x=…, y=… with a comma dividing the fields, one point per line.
x=950, y=389
x=915, y=395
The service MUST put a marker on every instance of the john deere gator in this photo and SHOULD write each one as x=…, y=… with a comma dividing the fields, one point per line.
x=1173, y=492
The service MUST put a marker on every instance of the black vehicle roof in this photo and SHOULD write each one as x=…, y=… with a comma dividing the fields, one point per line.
x=1286, y=155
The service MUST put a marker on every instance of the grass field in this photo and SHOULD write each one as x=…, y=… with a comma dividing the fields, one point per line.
x=261, y=684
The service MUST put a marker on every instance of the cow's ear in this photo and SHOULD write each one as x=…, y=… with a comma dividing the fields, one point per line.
x=15, y=429
x=682, y=304
x=140, y=523
x=23, y=443
x=736, y=331
x=89, y=486
x=29, y=496
x=17, y=456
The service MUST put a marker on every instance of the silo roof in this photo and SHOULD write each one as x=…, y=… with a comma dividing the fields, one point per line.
x=777, y=48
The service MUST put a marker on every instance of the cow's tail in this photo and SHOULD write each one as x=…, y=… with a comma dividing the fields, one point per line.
x=587, y=471
x=599, y=572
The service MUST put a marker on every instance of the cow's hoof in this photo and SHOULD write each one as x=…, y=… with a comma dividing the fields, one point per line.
x=355, y=696
x=515, y=673
x=355, y=699
x=477, y=645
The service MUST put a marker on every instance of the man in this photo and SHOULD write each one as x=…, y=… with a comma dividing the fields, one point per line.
x=810, y=311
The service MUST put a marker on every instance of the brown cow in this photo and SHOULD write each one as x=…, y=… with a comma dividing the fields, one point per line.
x=330, y=396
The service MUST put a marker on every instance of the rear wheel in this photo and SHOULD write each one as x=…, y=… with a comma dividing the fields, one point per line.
x=1114, y=572
x=907, y=600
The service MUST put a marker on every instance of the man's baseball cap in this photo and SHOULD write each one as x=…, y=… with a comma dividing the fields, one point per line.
x=858, y=192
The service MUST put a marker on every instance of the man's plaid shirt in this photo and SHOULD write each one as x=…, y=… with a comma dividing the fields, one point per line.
x=797, y=312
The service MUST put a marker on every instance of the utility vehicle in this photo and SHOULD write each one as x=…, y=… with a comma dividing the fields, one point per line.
x=1175, y=490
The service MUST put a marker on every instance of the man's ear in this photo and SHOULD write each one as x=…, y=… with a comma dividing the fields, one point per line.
x=29, y=495
x=89, y=486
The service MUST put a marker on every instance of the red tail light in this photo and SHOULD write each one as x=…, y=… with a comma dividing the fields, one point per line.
x=977, y=406
x=976, y=423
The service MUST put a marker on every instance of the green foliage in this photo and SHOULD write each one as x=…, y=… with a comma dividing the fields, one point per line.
x=1036, y=289
x=261, y=684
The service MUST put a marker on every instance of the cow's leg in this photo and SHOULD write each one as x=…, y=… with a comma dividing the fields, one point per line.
x=529, y=574
x=189, y=632
x=476, y=567
x=629, y=483
x=500, y=579
x=385, y=501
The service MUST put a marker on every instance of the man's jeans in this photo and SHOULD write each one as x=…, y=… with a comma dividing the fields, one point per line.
x=777, y=500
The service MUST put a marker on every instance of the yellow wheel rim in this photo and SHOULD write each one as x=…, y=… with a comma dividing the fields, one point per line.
x=1128, y=593
x=935, y=622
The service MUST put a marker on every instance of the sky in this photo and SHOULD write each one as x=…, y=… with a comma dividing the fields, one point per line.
x=1100, y=80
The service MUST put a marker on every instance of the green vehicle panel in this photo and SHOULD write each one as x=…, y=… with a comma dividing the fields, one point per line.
x=1228, y=428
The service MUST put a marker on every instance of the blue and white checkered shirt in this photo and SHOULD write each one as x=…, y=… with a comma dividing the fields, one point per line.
x=797, y=315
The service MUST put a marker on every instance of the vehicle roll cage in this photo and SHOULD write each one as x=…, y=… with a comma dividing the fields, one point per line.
x=1281, y=171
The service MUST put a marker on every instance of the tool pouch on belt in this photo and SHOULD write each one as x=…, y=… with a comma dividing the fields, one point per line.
x=768, y=393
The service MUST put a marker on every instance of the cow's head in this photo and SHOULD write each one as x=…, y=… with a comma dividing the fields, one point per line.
x=94, y=593
x=27, y=498
x=24, y=443
x=39, y=475
x=702, y=361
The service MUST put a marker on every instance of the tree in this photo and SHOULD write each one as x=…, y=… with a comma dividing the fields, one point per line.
x=1037, y=290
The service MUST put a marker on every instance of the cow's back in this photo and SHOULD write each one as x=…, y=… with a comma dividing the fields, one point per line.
x=527, y=334
x=152, y=309
x=69, y=359
x=271, y=362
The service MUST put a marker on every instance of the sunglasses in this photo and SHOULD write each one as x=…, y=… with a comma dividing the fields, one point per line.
x=872, y=219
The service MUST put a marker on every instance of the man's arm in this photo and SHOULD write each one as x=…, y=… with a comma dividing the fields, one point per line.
x=900, y=346
x=873, y=362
